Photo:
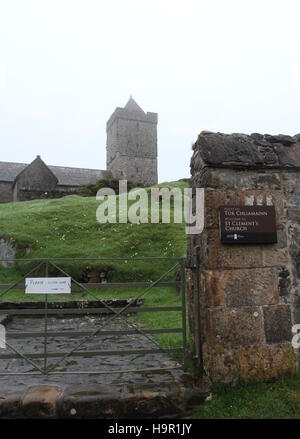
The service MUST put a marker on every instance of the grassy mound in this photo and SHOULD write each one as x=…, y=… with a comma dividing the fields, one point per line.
x=67, y=228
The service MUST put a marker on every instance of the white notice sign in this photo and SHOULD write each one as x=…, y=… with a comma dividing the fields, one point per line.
x=48, y=285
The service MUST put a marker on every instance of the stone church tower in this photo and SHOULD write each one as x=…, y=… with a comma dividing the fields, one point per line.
x=132, y=144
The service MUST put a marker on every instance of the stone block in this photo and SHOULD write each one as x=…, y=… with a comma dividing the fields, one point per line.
x=277, y=323
x=219, y=363
x=284, y=282
x=215, y=255
x=90, y=401
x=10, y=404
x=293, y=214
x=267, y=180
x=234, y=327
x=251, y=287
x=40, y=401
x=274, y=255
x=265, y=362
x=240, y=287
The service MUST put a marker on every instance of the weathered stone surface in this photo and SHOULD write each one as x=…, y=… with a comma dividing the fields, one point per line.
x=240, y=287
x=278, y=323
x=240, y=150
x=281, y=138
x=254, y=362
x=10, y=404
x=246, y=179
x=132, y=145
x=234, y=327
x=274, y=256
x=219, y=362
x=288, y=157
x=40, y=401
x=248, y=292
x=90, y=401
x=284, y=282
x=215, y=255
x=266, y=180
x=251, y=287
x=212, y=286
x=219, y=149
x=151, y=404
x=265, y=362
x=7, y=253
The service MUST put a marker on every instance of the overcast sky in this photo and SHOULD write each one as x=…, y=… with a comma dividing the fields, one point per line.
x=219, y=65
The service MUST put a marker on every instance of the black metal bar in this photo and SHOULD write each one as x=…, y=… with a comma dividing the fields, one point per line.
x=182, y=269
x=79, y=311
x=20, y=335
x=20, y=354
x=46, y=323
x=92, y=353
x=117, y=314
x=198, y=346
x=13, y=285
x=111, y=371
x=92, y=285
x=131, y=259
x=128, y=309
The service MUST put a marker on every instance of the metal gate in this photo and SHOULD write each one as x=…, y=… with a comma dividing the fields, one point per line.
x=167, y=279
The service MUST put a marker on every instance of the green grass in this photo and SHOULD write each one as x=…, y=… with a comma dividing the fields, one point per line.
x=67, y=228
x=277, y=400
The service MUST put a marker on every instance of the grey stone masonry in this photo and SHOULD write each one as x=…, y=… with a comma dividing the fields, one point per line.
x=22, y=182
x=249, y=294
x=132, y=144
x=131, y=155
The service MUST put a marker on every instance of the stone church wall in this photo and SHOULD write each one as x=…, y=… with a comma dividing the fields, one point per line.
x=6, y=193
x=132, y=146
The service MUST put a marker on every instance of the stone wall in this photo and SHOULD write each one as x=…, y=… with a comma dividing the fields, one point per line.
x=25, y=194
x=132, y=146
x=249, y=294
x=5, y=192
x=35, y=178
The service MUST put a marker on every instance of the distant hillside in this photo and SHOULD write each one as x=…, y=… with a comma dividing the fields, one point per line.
x=67, y=228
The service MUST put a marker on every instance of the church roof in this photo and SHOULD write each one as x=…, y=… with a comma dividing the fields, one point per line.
x=66, y=176
x=77, y=176
x=9, y=171
x=133, y=106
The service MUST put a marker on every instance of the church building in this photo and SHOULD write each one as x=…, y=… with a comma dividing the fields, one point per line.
x=131, y=154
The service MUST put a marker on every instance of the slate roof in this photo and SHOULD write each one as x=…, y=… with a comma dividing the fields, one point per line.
x=77, y=176
x=66, y=176
x=9, y=171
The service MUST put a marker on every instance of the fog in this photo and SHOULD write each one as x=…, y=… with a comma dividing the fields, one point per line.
x=229, y=66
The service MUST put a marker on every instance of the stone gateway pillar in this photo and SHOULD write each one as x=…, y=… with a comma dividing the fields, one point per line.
x=248, y=290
